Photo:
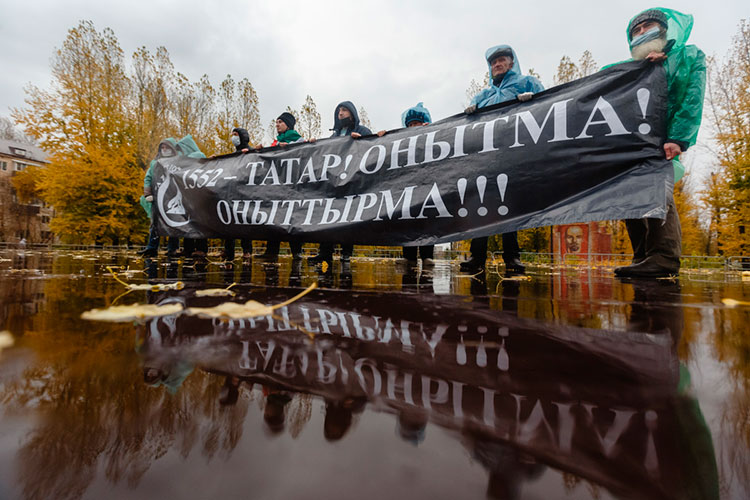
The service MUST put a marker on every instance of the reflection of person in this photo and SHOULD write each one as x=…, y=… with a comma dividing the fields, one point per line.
x=411, y=425
x=346, y=123
x=507, y=83
x=660, y=35
x=338, y=417
x=273, y=413
x=573, y=239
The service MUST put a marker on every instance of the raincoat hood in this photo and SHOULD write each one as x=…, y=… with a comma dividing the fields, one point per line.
x=516, y=68
x=418, y=113
x=244, y=138
x=512, y=84
x=350, y=106
x=679, y=26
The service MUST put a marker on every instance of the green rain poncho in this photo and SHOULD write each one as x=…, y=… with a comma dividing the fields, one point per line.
x=186, y=147
x=686, y=80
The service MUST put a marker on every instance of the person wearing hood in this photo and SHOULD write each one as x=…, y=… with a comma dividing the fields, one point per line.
x=286, y=135
x=169, y=147
x=508, y=83
x=417, y=116
x=660, y=35
x=345, y=123
x=241, y=140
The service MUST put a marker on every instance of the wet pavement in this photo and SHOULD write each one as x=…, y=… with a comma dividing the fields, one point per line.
x=384, y=382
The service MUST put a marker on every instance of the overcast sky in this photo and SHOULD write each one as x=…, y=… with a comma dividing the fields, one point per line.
x=384, y=56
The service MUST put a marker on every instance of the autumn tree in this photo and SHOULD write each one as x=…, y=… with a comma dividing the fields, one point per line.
x=93, y=179
x=152, y=119
x=309, y=125
x=194, y=108
x=364, y=118
x=729, y=114
x=10, y=132
x=238, y=107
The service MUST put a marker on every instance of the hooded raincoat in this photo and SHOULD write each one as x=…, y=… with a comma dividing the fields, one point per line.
x=512, y=84
x=185, y=147
x=338, y=127
x=244, y=139
x=418, y=113
x=686, y=82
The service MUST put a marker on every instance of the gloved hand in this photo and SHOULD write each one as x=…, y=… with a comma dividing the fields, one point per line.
x=471, y=109
x=526, y=96
x=150, y=198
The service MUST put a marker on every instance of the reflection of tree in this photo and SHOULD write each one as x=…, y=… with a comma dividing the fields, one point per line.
x=732, y=346
x=95, y=411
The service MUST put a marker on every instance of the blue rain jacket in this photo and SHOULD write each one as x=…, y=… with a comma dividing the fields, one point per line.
x=512, y=84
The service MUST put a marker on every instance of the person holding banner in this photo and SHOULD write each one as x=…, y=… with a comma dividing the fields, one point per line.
x=346, y=123
x=417, y=116
x=660, y=35
x=241, y=140
x=507, y=83
x=286, y=135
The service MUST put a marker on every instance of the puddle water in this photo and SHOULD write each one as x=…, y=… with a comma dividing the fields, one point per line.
x=384, y=382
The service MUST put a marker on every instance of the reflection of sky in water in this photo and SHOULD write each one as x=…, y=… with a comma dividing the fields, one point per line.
x=567, y=384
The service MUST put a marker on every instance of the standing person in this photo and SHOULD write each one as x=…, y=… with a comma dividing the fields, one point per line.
x=241, y=140
x=346, y=123
x=417, y=116
x=169, y=147
x=660, y=36
x=286, y=135
x=507, y=83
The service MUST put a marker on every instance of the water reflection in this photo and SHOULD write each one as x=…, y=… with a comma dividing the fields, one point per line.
x=528, y=377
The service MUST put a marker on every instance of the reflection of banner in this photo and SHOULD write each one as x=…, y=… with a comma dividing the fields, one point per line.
x=601, y=404
x=588, y=150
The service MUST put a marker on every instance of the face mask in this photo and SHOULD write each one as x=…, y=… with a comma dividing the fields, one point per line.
x=347, y=122
x=651, y=34
x=166, y=153
x=235, y=140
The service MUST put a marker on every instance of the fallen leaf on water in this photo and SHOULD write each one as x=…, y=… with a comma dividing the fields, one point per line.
x=6, y=340
x=745, y=275
x=515, y=278
x=216, y=292
x=734, y=303
x=119, y=314
x=324, y=267
x=250, y=309
x=178, y=285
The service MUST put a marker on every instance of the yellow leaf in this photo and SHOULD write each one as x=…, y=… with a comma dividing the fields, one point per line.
x=250, y=309
x=119, y=314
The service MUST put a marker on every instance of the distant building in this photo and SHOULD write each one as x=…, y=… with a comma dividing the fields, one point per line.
x=29, y=221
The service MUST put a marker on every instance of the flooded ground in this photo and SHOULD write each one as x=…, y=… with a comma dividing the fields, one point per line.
x=385, y=382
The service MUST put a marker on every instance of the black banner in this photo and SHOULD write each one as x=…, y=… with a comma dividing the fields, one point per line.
x=584, y=151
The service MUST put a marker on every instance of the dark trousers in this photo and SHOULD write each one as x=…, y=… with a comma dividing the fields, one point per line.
x=511, y=250
x=658, y=240
x=173, y=243
x=425, y=252
x=272, y=248
x=326, y=250
x=229, y=245
x=192, y=245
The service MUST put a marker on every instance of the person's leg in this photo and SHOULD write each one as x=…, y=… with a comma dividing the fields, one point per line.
x=410, y=253
x=512, y=253
x=173, y=246
x=660, y=245
x=152, y=244
x=229, y=245
x=189, y=246
x=347, y=250
x=478, y=258
x=272, y=250
x=296, y=248
x=638, y=233
x=325, y=253
x=247, y=248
